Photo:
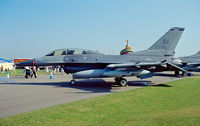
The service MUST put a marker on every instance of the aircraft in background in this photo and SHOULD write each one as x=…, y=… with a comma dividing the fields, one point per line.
x=159, y=57
x=192, y=62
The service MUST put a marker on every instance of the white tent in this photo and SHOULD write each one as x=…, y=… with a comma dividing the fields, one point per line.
x=6, y=64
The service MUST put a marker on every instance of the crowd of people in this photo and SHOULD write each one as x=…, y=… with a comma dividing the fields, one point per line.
x=30, y=72
x=2, y=69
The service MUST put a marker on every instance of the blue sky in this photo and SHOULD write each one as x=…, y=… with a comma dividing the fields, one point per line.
x=32, y=28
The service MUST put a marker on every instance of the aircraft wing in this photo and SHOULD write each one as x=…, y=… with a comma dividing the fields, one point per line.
x=146, y=65
x=137, y=64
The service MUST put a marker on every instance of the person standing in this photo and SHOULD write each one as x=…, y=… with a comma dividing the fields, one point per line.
x=28, y=71
x=61, y=70
x=2, y=69
x=14, y=69
x=34, y=71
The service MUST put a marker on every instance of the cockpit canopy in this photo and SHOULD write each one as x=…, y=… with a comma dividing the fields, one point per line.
x=61, y=52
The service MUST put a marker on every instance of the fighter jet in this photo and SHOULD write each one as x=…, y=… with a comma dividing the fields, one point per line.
x=192, y=62
x=141, y=64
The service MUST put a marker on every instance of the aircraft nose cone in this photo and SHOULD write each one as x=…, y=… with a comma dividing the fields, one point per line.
x=27, y=63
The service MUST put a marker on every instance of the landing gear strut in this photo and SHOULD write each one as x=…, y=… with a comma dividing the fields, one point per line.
x=121, y=81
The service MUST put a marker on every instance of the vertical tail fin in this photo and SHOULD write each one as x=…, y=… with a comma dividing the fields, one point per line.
x=198, y=53
x=169, y=40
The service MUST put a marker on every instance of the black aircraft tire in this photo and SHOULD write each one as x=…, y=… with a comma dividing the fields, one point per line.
x=123, y=82
x=72, y=82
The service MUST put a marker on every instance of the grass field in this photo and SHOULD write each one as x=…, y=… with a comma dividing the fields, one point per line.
x=20, y=72
x=172, y=104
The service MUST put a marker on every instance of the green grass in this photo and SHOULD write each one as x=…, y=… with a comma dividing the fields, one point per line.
x=20, y=72
x=172, y=104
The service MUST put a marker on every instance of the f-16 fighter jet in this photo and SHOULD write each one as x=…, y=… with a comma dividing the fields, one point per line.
x=159, y=57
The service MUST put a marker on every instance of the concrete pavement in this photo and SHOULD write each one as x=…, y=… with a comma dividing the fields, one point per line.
x=35, y=93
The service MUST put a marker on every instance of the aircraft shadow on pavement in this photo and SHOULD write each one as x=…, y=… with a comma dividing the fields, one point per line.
x=161, y=85
x=92, y=86
x=139, y=83
x=97, y=86
x=146, y=83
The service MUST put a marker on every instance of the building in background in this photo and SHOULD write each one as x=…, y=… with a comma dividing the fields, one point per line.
x=6, y=64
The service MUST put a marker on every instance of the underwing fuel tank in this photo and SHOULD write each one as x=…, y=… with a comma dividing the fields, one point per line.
x=94, y=73
x=98, y=73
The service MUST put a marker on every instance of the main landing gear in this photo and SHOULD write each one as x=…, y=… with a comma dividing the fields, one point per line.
x=118, y=80
x=121, y=81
